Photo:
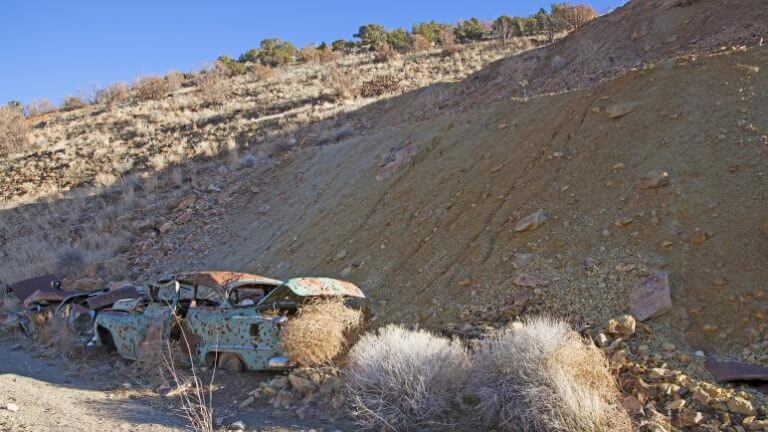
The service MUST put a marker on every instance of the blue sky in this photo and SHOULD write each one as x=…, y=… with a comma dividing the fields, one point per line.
x=54, y=48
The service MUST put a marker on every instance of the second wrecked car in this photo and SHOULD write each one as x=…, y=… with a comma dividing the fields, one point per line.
x=228, y=319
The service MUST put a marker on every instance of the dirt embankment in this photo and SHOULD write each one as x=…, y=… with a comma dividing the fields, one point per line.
x=423, y=216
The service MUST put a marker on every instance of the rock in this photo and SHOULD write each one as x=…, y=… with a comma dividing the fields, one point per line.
x=532, y=221
x=248, y=401
x=236, y=426
x=282, y=399
x=689, y=418
x=620, y=110
x=340, y=255
x=625, y=325
x=302, y=385
x=165, y=227
x=739, y=405
x=651, y=297
x=522, y=260
x=602, y=340
x=676, y=404
x=655, y=179
x=530, y=281
x=632, y=405
x=12, y=407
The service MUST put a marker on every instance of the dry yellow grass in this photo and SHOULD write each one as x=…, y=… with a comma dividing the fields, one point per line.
x=318, y=333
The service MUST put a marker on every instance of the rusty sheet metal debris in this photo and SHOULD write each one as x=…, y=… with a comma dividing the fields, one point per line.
x=110, y=297
x=48, y=296
x=25, y=288
x=736, y=371
x=221, y=279
x=306, y=287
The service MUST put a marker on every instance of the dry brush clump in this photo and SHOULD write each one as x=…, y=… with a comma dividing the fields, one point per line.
x=319, y=332
x=14, y=133
x=381, y=85
x=211, y=83
x=405, y=380
x=342, y=83
x=156, y=87
x=112, y=94
x=543, y=377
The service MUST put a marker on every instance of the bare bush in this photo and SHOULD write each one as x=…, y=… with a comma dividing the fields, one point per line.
x=318, y=333
x=40, y=107
x=309, y=54
x=155, y=87
x=343, y=83
x=262, y=72
x=405, y=380
x=380, y=85
x=543, y=377
x=448, y=42
x=112, y=94
x=328, y=55
x=72, y=103
x=384, y=53
x=420, y=43
x=14, y=135
x=53, y=332
x=211, y=83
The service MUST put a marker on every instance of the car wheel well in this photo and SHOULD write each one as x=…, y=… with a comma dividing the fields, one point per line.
x=105, y=336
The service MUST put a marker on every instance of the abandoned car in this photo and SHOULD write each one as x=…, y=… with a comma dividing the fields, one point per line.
x=227, y=319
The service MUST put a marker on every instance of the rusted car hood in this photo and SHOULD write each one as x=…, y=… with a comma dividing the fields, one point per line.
x=221, y=279
x=47, y=295
x=25, y=288
x=308, y=287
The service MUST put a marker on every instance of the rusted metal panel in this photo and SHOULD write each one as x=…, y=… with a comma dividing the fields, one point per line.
x=308, y=287
x=110, y=297
x=48, y=296
x=221, y=279
x=25, y=288
x=736, y=371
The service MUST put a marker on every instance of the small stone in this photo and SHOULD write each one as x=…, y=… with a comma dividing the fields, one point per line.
x=248, y=401
x=739, y=405
x=655, y=179
x=530, y=281
x=12, y=407
x=620, y=110
x=602, y=340
x=651, y=297
x=625, y=325
x=676, y=404
x=236, y=426
x=666, y=346
x=165, y=227
x=340, y=255
x=522, y=260
x=532, y=221
x=690, y=418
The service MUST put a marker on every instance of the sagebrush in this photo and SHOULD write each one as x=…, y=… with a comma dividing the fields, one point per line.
x=403, y=380
x=14, y=134
x=318, y=333
x=543, y=377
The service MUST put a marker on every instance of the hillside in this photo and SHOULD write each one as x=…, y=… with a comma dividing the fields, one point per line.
x=416, y=196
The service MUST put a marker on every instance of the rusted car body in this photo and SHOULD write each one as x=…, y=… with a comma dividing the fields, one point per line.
x=225, y=318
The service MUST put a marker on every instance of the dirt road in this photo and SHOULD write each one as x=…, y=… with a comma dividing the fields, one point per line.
x=92, y=395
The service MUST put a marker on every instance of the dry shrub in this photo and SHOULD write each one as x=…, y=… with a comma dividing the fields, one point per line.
x=14, y=135
x=543, y=377
x=309, y=54
x=72, y=103
x=380, y=85
x=419, y=43
x=342, y=82
x=384, y=53
x=53, y=332
x=40, y=107
x=112, y=94
x=262, y=72
x=328, y=55
x=8, y=302
x=400, y=379
x=318, y=333
x=154, y=87
x=212, y=85
x=448, y=42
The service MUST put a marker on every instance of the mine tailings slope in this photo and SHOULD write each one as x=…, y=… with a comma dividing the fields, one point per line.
x=423, y=216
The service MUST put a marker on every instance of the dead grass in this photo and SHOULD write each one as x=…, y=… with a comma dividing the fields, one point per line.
x=154, y=87
x=112, y=94
x=399, y=380
x=543, y=377
x=262, y=72
x=14, y=134
x=318, y=333
x=53, y=332
x=72, y=103
x=40, y=107
x=342, y=83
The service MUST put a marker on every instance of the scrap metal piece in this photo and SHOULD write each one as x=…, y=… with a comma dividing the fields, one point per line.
x=308, y=287
x=736, y=371
x=110, y=297
x=222, y=279
x=25, y=288
x=48, y=296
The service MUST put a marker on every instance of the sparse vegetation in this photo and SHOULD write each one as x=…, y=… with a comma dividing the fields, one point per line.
x=155, y=87
x=14, y=135
x=112, y=94
x=380, y=85
x=211, y=85
x=542, y=377
x=319, y=333
x=72, y=103
x=40, y=107
x=232, y=67
x=342, y=83
x=404, y=380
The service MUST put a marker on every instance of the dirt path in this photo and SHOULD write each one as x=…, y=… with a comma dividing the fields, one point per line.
x=54, y=396
x=91, y=395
